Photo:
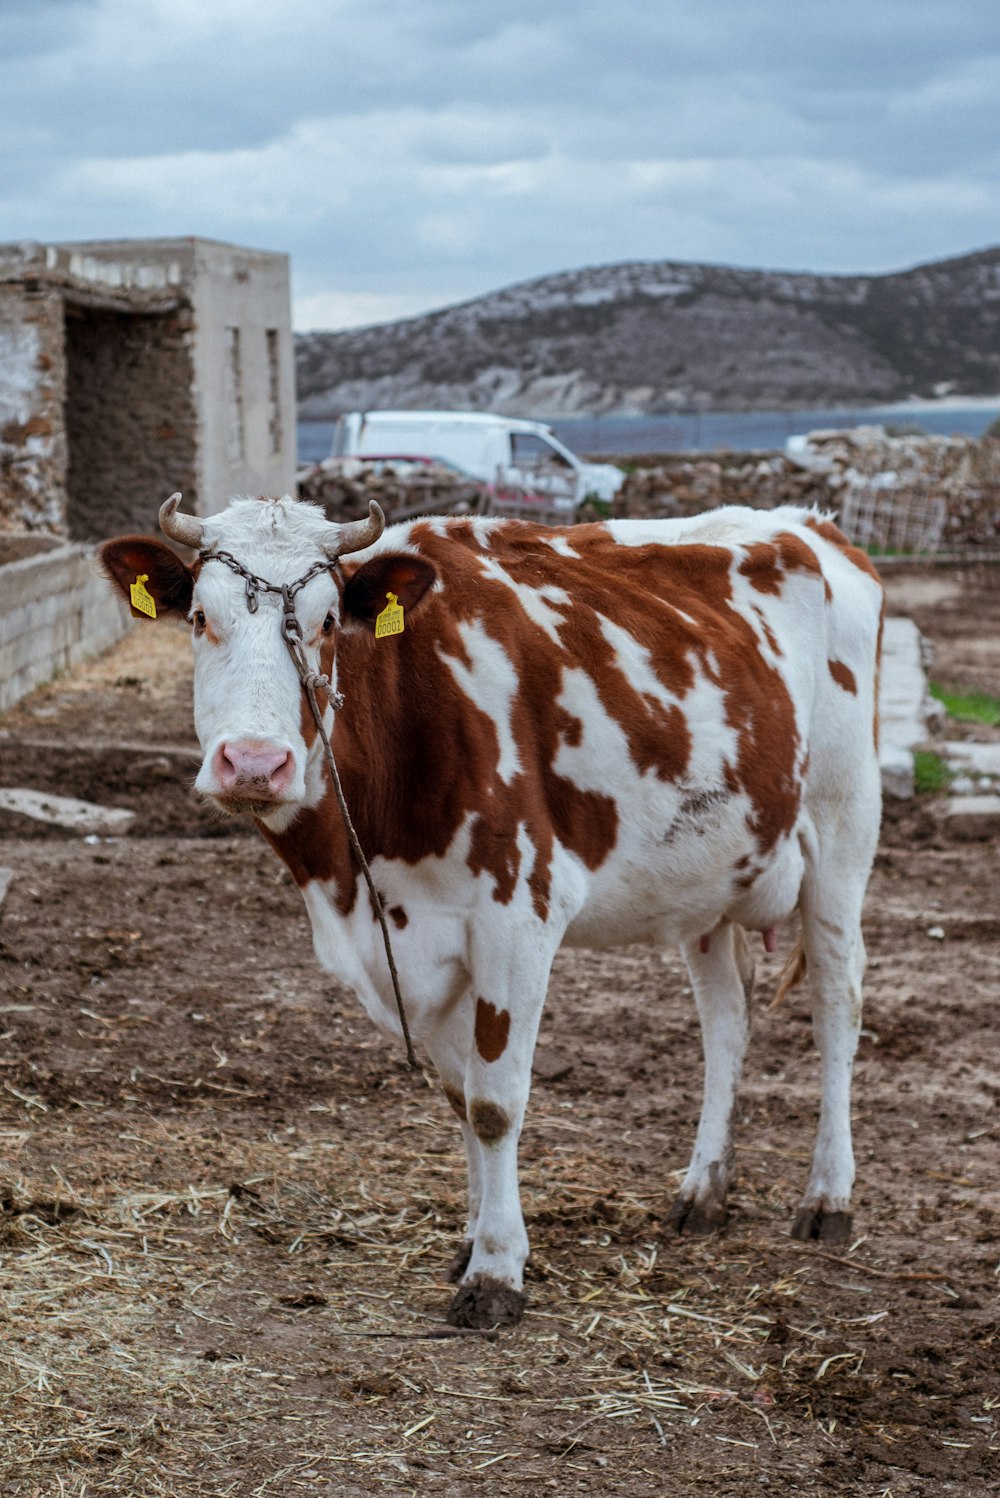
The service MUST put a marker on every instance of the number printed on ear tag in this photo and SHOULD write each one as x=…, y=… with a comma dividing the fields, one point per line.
x=141, y=599
x=390, y=621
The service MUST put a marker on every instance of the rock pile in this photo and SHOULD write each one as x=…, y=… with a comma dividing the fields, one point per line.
x=403, y=487
x=836, y=470
x=686, y=484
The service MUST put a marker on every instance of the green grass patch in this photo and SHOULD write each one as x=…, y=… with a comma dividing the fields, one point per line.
x=931, y=774
x=969, y=707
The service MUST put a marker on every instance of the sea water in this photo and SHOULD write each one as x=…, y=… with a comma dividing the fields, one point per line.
x=736, y=431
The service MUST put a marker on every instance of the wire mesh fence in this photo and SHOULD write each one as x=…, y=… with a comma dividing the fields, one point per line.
x=905, y=519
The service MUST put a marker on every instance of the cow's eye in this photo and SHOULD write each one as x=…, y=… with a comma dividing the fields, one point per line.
x=327, y=624
x=198, y=620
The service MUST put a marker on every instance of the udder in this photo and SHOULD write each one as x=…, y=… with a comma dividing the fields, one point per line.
x=767, y=893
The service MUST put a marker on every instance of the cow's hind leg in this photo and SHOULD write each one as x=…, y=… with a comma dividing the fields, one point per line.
x=832, y=896
x=722, y=978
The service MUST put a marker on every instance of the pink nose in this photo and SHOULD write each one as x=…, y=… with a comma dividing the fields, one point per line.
x=253, y=771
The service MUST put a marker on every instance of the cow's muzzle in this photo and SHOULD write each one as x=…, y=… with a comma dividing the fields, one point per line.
x=246, y=773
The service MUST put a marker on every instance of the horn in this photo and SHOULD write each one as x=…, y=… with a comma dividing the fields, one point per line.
x=186, y=529
x=355, y=535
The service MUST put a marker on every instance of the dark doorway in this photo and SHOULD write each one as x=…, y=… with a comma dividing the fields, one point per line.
x=130, y=417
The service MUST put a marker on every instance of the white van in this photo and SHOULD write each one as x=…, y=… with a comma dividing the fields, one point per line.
x=508, y=454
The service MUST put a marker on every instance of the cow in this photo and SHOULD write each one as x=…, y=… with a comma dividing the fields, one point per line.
x=634, y=731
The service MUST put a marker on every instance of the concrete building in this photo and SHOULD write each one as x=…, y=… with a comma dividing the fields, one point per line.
x=132, y=368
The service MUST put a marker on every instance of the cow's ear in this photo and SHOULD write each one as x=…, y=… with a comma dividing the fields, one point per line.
x=407, y=576
x=136, y=559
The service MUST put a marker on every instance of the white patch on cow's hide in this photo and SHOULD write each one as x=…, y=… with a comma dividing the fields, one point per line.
x=635, y=663
x=539, y=603
x=602, y=742
x=483, y=531
x=491, y=683
x=560, y=544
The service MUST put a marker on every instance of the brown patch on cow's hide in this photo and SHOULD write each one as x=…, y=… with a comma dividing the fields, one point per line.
x=396, y=913
x=843, y=676
x=760, y=567
x=456, y=1102
x=797, y=555
x=830, y=532
x=492, y=1030
x=411, y=697
x=767, y=631
x=768, y=562
x=307, y=722
x=570, y=728
x=314, y=849
x=878, y=671
x=489, y=1122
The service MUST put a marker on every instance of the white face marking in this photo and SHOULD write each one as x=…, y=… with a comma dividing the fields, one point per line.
x=246, y=688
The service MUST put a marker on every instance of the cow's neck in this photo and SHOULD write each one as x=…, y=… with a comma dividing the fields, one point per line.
x=384, y=742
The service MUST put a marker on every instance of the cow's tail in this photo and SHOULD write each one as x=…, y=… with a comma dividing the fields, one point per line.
x=792, y=973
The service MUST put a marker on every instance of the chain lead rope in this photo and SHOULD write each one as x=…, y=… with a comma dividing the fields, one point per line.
x=291, y=633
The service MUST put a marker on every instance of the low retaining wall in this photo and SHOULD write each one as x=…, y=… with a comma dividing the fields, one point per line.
x=55, y=610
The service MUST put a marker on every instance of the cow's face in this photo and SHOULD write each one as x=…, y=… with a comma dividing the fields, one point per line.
x=250, y=710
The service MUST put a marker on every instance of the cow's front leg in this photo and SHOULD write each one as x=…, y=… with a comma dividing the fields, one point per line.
x=448, y=1044
x=490, y=1291
x=722, y=978
x=497, y=1082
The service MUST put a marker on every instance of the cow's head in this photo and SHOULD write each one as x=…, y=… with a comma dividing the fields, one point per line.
x=248, y=697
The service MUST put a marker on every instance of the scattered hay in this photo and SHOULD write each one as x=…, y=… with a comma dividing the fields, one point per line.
x=281, y=1331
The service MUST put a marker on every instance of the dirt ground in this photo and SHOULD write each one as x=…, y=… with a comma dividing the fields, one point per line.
x=226, y=1207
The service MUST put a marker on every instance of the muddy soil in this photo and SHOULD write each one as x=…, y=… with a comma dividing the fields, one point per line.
x=226, y=1208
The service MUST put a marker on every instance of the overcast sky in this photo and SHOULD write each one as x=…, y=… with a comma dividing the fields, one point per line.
x=412, y=153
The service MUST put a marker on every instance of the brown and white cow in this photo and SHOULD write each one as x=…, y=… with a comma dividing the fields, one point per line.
x=639, y=731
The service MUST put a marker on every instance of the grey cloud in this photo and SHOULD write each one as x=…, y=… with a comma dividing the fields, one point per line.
x=798, y=134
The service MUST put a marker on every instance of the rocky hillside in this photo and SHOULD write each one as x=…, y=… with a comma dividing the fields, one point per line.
x=656, y=336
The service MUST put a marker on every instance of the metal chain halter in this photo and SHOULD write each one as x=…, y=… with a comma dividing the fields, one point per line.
x=312, y=681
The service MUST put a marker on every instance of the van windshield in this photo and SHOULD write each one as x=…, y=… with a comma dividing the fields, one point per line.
x=529, y=451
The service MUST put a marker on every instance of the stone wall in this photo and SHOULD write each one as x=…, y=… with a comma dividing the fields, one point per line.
x=56, y=609
x=131, y=422
x=32, y=388
x=826, y=470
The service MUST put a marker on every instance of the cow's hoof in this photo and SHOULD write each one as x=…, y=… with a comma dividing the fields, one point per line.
x=815, y=1225
x=486, y=1303
x=459, y=1263
x=697, y=1218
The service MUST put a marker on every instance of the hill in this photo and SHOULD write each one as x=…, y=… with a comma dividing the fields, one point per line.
x=656, y=336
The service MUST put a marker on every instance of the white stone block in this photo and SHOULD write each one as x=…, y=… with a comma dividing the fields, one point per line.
x=65, y=811
x=896, y=764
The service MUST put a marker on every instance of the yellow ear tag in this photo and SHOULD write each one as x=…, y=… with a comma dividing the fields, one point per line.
x=390, y=621
x=141, y=600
